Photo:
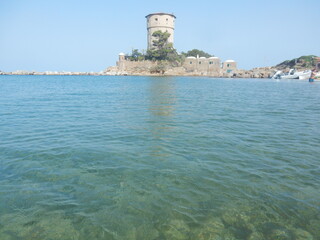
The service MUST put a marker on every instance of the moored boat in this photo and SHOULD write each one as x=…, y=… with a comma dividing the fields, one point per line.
x=305, y=75
x=293, y=74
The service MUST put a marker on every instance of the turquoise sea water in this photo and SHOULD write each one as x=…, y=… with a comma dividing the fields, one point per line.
x=158, y=158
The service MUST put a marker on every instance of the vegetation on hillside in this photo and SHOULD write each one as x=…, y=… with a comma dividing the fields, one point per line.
x=298, y=63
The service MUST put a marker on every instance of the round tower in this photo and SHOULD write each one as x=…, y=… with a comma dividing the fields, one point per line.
x=160, y=21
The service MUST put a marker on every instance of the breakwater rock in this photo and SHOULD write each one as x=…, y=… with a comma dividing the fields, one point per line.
x=64, y=73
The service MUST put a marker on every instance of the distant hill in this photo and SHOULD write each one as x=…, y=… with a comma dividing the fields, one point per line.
x=303, y=62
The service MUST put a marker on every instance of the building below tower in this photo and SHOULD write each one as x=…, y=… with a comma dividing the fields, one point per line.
x=192, y=66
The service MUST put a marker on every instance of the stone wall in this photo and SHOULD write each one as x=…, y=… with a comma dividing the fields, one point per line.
x=127, y=66
x=203, y=66
x=192, y=66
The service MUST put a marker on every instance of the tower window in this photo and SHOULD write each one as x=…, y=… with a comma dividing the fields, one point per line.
x=156, y=19
x=210, y=62
x=190, y=62
x=199, y=62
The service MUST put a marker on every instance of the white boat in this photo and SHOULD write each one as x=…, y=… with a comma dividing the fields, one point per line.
x=293, y=74
x=305, y=75
x=278, y=75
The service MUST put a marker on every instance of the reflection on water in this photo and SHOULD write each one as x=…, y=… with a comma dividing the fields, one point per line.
x=162, y=100
x=162, y=97
x=158, y=158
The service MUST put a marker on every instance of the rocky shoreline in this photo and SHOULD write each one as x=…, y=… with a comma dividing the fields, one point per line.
x=265, y=72
x=50, y=73
x=254, y=73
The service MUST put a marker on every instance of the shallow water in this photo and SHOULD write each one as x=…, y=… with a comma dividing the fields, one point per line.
x=158, y=158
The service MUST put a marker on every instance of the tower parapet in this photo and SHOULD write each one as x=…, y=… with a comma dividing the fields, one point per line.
x=121, y=56
x=160, y=21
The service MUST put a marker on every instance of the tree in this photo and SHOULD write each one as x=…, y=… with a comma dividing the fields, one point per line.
x=162, y=49
x=161, y=40
x=136, y=55
x=197, y=52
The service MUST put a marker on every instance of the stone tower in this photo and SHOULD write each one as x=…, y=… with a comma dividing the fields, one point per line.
x=160, y=21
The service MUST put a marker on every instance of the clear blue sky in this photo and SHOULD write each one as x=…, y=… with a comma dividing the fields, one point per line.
x=82, y=35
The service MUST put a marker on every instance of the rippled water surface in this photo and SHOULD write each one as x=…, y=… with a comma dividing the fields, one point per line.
x=158, y=158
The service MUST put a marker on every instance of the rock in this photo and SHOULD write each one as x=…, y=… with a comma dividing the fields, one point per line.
x=256, y=236
x=228, y=236
x=280, y=234
x=143, y=232
x=235, y=218
x=275, y=231
x=177, y=229
x=53, y=226
x=314, y=227
x=238, y=223
x=212, y=230
x=301, y=234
